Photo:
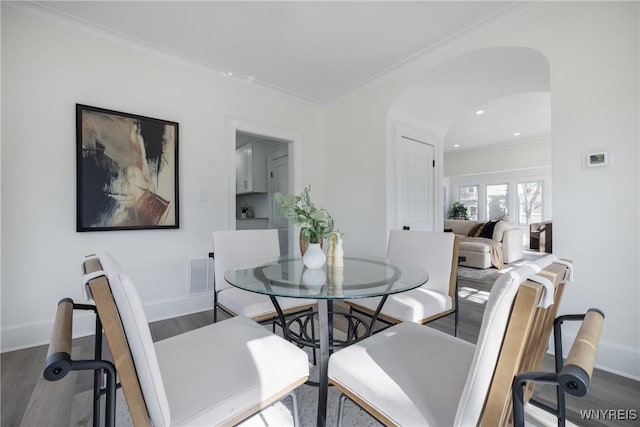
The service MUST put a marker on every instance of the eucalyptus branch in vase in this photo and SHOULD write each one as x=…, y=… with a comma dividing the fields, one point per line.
x=315, y=223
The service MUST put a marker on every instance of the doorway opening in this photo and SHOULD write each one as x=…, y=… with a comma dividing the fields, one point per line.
x=262, y=169
x=489, y=113
x=263, y=160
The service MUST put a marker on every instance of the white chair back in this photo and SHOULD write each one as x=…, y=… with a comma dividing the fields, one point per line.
x=427, y=249
x=236, y=247
x=136, y=328
x=492, y=332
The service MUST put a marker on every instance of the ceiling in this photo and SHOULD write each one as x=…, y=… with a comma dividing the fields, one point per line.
x=511, y=119
x=317, y=51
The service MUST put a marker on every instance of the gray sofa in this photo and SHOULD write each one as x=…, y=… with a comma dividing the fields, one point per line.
x=476, y=252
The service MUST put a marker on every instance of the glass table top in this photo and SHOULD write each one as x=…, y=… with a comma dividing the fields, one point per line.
x=360, y=277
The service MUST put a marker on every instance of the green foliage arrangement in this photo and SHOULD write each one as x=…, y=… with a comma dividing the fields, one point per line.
x=458, y=210
x=315, y=224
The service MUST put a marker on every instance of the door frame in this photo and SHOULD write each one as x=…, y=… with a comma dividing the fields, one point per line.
x=270, y=158
x=394, y=139
x=294, y=143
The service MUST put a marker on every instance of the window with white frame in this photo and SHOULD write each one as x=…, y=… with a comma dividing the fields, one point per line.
x=468, y=196
x=497, y=201
x=525, y=198
x=530, y=202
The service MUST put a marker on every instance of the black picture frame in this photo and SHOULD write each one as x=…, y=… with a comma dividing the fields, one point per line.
x=127, y=171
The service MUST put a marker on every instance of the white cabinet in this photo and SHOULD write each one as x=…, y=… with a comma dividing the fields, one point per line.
x=251, y=168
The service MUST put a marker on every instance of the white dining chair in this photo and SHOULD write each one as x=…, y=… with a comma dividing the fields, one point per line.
x=409, y=375
x=437, y=253
x=240, y=247
x=218, y=374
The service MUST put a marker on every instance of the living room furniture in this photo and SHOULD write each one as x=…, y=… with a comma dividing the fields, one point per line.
x=437, y=253
x=411, y=375
x=476, y=251
x=541, y=236
x=218, y=374
x=360, y=277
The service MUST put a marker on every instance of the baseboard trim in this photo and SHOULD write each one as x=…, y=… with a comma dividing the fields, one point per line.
x=611, y=357
x=619, y=360
x=39, y=333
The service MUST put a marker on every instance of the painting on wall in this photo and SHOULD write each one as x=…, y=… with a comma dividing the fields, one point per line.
x=127, y=171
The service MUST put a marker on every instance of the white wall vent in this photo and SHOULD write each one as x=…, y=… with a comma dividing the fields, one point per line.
x=201, y=276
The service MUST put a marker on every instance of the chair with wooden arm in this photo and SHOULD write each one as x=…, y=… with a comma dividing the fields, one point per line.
x=412, y=375
x=219, y=374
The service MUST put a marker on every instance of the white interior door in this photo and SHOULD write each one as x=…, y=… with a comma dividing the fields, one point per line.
x=278, y=174
x=416, y=178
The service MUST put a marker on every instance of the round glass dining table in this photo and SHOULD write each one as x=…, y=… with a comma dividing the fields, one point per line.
x=359, y=277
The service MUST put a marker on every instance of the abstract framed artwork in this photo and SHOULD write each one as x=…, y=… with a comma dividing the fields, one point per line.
x=127, y=171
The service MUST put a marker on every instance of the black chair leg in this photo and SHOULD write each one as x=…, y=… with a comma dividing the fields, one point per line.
x=455, y=323
x=215, y=306
x=313, y=337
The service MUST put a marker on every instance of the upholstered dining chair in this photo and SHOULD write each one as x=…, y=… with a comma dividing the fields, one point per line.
x=218, y=374
x=437, y=253
x=408, y=375
x=239, y=247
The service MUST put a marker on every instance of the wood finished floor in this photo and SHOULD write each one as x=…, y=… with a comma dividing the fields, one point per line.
x=29, y=400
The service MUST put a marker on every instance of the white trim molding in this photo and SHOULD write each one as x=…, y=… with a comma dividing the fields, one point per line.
x=84, y=323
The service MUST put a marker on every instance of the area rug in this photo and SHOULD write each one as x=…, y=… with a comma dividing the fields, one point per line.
x=280, y=413
x=478, y=274
x=489, y=275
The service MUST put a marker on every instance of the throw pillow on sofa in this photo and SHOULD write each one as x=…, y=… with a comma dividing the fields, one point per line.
x=487, y=230
x=475, y=229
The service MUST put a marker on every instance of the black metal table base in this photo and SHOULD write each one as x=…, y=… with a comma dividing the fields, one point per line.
x=300, y=330
x=325, y=342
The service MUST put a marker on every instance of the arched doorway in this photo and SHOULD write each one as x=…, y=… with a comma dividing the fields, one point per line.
x=443, y=103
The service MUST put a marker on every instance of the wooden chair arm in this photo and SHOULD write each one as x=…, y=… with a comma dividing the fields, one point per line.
x=58, y=362
x=578, y=367
x=573, y=376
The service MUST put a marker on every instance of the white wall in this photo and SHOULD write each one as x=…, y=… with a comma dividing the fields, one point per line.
x=46, y=69
x=592, y=49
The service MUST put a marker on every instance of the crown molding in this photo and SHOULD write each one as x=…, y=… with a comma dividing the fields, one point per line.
x=42, y=11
